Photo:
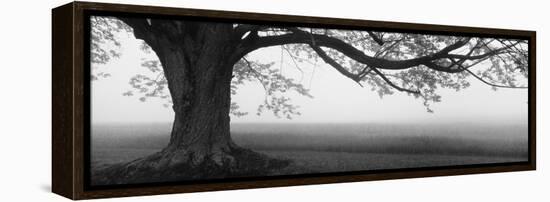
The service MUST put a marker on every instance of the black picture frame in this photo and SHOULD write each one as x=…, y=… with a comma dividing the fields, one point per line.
x=71, y=101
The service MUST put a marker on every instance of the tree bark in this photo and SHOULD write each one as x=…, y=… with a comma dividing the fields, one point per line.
x=199, y=81
x=198, y=61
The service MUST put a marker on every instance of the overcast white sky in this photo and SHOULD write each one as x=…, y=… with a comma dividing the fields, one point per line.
x=336, y=98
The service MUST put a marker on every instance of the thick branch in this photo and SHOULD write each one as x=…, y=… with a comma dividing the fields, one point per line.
x=240, y=30
x=335, y=64
x=487, y=54
x=356, y=77
x=141, y=28
x=350, y=51
x=315, y=41
x=377, y=39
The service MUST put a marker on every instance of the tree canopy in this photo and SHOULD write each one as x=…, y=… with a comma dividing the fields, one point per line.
x=385, y=62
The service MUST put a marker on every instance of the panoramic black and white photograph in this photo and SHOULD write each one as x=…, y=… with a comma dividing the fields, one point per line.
x=184, y=100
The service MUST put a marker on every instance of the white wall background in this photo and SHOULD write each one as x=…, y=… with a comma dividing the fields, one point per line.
x=25, y=101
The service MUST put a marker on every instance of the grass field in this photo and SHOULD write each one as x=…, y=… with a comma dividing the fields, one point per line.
x=336, y=147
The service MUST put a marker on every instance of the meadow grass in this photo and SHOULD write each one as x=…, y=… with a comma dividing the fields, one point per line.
x=336, y=147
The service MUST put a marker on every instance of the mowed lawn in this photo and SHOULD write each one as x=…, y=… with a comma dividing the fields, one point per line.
x=336, y=147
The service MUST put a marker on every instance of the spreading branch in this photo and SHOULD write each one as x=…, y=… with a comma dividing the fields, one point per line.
x=388, y=61
x=377, y=39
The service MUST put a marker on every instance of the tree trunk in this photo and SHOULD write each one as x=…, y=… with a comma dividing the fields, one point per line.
x=199, y=83
x=198, y=66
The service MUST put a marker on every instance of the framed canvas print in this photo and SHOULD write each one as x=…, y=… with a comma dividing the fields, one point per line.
x=155, y=100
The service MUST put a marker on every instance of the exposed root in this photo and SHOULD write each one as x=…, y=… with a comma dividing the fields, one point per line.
x=181, y=165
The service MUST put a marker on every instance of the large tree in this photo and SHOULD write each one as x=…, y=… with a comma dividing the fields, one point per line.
x=201, y=64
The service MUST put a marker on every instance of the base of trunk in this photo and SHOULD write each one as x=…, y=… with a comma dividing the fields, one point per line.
x=181, y=165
